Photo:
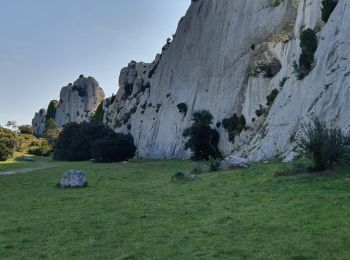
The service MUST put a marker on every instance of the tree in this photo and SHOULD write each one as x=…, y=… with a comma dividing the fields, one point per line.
x=12, y=125
x=25, y=129
x=325, y=146
x=51, y=110
x=50, y=125
x=203, y=140
x=8, y=144
x=113, y=148
x=76, y=140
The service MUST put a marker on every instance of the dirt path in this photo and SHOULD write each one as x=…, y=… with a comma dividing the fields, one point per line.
x=26, y=170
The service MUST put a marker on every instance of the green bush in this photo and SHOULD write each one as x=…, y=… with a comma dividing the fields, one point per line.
x=75, y=142
x=25, y=129
x=99, y=114
x=325, y=146
x=214, y=164
x=234, y=126
x=8, y=144
x=308, y=45
x=43, y=149
x=50, y=125
x=5, y=152
x=271, y=98
x=51, y=110
x=327, y=8
x=203, y=140
x=113, y=148
x=182, y=108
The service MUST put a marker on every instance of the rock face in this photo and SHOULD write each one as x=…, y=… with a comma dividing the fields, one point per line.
x=73, y=179
x=216, y=62
x=38, y=122
x=234, y=162
x=78, y=101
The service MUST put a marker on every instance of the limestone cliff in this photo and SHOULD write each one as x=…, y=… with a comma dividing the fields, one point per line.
x=78, y=101
x=216, y=61
x=38, y=122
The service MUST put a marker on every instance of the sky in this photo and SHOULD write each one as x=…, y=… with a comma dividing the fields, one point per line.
x=46, y=44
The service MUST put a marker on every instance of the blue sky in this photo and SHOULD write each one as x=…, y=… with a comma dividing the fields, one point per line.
x=46, y=44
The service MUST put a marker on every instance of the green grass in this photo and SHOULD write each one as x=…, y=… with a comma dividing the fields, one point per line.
x=133, y=211
x=18, y=163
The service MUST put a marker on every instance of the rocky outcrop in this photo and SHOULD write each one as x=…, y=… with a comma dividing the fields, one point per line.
x=78, y=101
x=38, y=122
x=234, y=162
x=73, y=179
x=228, y=57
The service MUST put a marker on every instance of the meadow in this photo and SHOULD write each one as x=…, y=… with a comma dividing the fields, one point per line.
x=133, y=211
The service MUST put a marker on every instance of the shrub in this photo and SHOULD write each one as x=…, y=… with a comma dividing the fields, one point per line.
x=261, y=111
x=128, y=88
x=203, y=140
x=178, y=177
x=325, y=146
x=8, y=144
x=113, y=148
x=25, y=129
x=43, y=149
x=327, y=8
x=75, y=143
x=52, y=136
x=50, y=125
x=214, y=164
x=271, y=98
x=5, y=152
x=182, y=108
x=234, y=126
x=308, y=45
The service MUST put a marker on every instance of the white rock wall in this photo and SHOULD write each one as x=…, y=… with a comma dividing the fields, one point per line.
x=208, y=64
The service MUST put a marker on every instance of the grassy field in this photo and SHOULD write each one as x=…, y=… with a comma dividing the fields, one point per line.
x=133, y=211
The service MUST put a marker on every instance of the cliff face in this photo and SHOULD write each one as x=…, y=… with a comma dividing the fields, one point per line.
x=78, y=101
x=38, y=122
x=215, y=62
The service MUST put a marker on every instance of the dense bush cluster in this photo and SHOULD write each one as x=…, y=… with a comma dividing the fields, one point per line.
x=8, y=144
x=41, y=148
x=78, y=142
x=308, y=45
x=234, y=126
x=25, y=129
x=325, y=146
x=203, y=140
x=327, y=8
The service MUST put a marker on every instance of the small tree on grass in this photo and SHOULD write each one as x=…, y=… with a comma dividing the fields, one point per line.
x=325, y=146
x=203, y=140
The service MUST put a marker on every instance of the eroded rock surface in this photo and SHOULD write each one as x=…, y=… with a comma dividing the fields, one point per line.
x=73, y=179
x=78, y=101
x=38, y=122
x=216, y=62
